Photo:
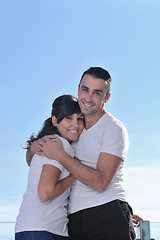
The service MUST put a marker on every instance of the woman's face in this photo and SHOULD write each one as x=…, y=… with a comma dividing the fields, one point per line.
x=71, y=127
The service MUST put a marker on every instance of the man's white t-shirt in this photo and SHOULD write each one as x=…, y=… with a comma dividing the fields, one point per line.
x=108, y=135
x=50, y=216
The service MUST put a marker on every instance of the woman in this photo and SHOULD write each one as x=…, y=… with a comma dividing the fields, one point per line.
x=42, y=213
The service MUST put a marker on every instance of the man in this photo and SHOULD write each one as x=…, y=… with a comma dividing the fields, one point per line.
x=97, y=206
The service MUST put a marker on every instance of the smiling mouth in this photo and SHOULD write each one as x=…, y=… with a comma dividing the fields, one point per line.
x=74, y=131
x=88, y=105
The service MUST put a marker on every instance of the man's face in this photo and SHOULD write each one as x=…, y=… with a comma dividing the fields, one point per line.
x=92, y=94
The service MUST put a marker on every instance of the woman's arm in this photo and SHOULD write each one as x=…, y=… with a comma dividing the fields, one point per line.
x=29, y=156
x=50, y=186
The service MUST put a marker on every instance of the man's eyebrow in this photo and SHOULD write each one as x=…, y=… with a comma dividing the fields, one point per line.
x=84, y=87
x=95, y=90
x=98, y=90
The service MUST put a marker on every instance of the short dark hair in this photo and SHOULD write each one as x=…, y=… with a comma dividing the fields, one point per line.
x=62, y=107
x=98, y=72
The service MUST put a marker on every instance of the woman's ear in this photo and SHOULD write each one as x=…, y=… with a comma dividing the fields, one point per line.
x=54, y=121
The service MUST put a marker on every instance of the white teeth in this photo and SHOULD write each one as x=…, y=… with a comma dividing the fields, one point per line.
x=74, y=131
x=87, y=105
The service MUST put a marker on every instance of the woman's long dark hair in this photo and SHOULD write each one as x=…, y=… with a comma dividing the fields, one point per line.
x=62, y=107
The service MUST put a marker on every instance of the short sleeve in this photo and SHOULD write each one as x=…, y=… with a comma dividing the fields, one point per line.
x=115, y=140
x=53, y=163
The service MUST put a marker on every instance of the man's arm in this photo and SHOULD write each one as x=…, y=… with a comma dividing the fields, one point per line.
x=97, y=179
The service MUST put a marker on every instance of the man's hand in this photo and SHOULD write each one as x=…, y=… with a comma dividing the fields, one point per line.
x=50, y=147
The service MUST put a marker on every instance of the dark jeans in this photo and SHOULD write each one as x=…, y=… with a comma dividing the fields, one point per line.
x=38, y=235
x=110, y=221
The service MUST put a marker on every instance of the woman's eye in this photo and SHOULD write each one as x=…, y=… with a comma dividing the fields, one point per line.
x=69, y=118
x=80, y=118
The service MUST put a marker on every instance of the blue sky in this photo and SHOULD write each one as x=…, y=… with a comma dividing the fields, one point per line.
x=45, y=46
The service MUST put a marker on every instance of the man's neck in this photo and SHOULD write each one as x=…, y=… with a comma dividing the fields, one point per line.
x=92, y=119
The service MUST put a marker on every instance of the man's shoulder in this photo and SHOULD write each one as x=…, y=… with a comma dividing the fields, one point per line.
x=111, y=121
x=113, y=126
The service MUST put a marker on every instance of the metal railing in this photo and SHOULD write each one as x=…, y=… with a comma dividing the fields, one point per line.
x=146, y=231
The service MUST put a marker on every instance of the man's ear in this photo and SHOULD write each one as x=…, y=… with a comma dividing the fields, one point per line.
x=107, y=98
x=54, y=121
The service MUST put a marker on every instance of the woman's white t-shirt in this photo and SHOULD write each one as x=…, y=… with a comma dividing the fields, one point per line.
x=50, y=216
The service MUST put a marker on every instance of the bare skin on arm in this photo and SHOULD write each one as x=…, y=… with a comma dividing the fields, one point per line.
x=50, y=186
x=29, y=156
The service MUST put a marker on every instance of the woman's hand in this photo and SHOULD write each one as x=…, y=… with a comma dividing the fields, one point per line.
x=136, y=220
x=34, y=146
